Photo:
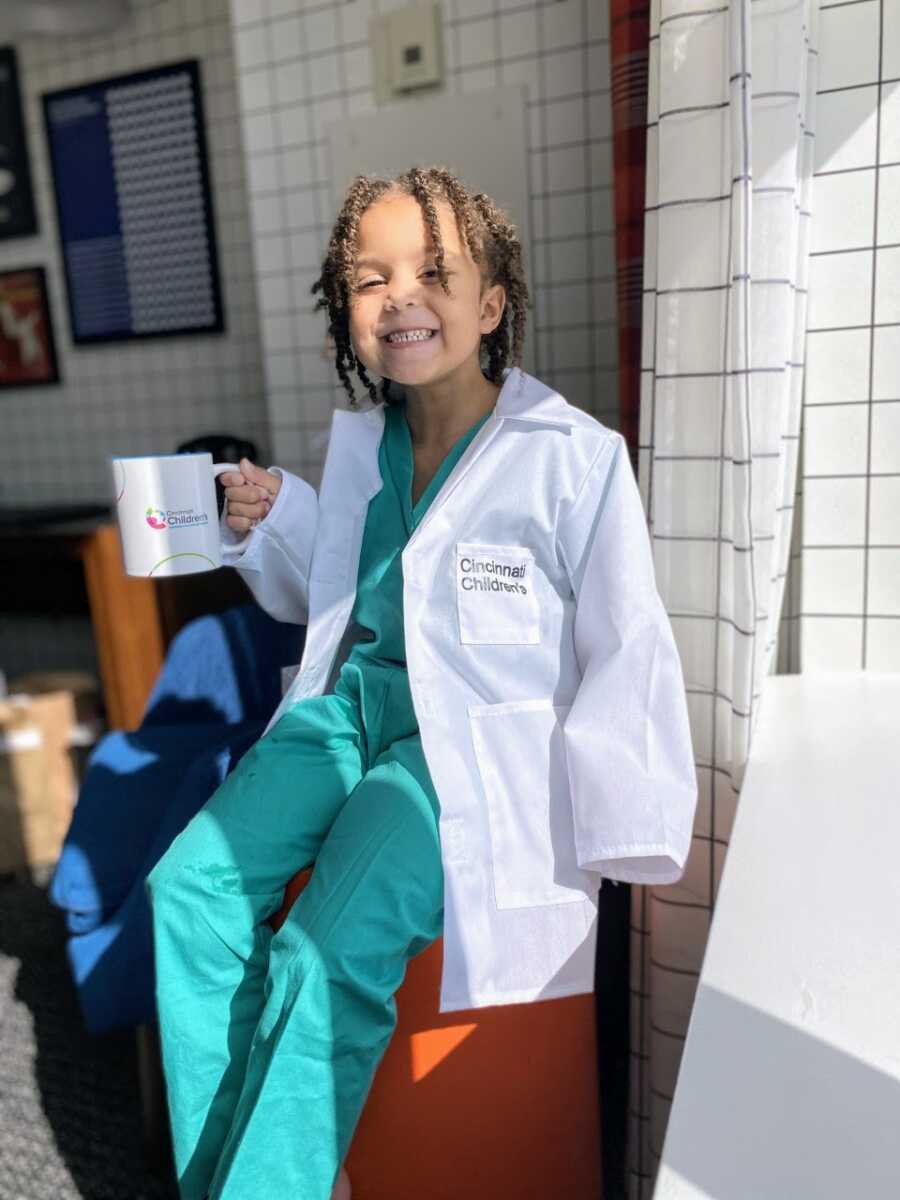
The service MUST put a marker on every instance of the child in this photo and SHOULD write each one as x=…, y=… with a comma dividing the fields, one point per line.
x=488, y=718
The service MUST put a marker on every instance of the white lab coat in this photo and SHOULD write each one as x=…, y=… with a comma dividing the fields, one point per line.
x=543, y=671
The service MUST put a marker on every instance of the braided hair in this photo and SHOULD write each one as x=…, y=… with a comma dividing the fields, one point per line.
x=487, y=231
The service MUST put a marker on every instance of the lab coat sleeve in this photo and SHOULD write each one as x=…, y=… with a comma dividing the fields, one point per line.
x=274, y=561
x=628, y=745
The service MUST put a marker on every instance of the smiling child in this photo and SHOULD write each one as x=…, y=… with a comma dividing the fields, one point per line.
x=489, y=717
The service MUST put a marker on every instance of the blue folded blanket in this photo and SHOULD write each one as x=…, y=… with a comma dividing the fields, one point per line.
x=219, y=685
x=135, y=786
x=111, y=959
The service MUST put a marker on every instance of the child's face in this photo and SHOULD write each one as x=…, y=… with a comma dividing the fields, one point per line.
x=397, y=287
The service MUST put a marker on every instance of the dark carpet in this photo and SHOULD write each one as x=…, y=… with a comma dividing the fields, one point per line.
x=70, y=1118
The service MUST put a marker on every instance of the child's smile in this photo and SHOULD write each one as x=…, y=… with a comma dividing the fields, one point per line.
x=402, y=338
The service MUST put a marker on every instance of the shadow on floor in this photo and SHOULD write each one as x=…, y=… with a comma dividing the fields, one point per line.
x=70, y=1112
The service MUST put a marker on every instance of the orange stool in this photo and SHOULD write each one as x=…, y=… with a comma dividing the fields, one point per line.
x=496, y=1103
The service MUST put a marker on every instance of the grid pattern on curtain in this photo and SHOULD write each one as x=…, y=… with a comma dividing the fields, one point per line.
x=729, y=167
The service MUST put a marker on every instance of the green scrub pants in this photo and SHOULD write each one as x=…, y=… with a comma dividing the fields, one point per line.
x=270, y=1042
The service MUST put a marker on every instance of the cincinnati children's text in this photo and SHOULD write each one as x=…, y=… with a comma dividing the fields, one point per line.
x=487, y=575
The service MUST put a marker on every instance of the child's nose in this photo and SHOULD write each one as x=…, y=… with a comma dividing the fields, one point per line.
x=402, y=293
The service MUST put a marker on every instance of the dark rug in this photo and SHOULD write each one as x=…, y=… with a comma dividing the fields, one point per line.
x=70, y=1117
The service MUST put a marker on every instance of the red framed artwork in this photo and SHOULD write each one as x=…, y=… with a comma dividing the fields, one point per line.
x=27, y=349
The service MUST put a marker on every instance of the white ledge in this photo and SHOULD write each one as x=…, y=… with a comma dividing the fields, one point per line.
x=789, y=1086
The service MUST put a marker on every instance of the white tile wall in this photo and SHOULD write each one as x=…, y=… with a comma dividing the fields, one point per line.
x=846, y=573
x=302, y=64
x=135, y=397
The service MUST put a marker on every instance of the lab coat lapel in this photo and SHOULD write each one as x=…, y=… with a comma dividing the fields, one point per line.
x=521, y=397
x=462, y=467
x=350, y=477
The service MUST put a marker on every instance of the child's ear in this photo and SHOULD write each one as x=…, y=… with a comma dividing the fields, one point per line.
x=493, y=302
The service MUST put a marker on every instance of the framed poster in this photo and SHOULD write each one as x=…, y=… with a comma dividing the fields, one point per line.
x=27, y=349
x=17, y=215
x=131, y=180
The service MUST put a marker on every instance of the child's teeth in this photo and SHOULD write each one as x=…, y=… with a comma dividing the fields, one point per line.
x=411, y=335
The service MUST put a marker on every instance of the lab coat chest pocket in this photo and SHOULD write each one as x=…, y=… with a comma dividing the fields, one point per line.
x=521, y=760
x=496, y=595
x=335, y=534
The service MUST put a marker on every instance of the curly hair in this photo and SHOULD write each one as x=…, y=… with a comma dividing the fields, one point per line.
x=487, y=231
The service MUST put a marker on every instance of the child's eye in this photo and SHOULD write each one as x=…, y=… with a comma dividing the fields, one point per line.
x=369, y=283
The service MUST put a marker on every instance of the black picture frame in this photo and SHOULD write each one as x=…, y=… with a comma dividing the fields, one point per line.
x=78, y=182
x=17, y=307
x=18, y=217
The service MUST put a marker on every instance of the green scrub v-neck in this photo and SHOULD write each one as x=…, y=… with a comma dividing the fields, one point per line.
x=390, y=521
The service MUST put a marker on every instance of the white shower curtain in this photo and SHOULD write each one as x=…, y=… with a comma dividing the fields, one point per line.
x=729, y=171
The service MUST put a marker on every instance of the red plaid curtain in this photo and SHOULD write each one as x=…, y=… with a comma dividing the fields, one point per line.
x=629, y=49
x=629, y=62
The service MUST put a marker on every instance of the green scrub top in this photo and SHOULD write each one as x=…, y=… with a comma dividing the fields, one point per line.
x=390, y=521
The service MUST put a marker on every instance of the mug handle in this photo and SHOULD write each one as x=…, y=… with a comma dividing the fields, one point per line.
x=218, y=469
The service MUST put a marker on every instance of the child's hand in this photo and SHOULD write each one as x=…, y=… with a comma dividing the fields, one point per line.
x=250, y=495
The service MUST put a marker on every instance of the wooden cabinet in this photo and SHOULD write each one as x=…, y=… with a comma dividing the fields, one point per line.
x=57, y=566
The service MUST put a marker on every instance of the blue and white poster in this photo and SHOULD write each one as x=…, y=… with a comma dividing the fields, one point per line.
x=133, y=202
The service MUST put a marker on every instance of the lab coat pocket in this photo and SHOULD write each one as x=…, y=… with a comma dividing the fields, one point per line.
x=521, y=758
x=496, y=597
x=335, y=535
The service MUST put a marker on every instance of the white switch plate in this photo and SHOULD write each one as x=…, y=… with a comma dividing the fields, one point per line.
x=407, y=50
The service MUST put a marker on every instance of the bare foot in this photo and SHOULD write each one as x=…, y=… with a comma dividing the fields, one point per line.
x=342, y=1186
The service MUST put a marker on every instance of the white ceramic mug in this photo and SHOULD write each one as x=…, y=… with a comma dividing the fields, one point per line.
x=168, y=515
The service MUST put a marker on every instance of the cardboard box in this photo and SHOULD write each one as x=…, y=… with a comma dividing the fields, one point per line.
x=85, y=689
x=38, y=783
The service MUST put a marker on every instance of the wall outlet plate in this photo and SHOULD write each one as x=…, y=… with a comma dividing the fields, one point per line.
x=407, y=50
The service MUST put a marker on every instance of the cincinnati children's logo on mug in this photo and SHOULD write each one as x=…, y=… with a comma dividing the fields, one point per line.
x=168, y=514
x=179, y=518
x=156, y=518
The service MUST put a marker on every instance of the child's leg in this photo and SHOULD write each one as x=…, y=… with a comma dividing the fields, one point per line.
x=211, y=892
x=375, y=899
